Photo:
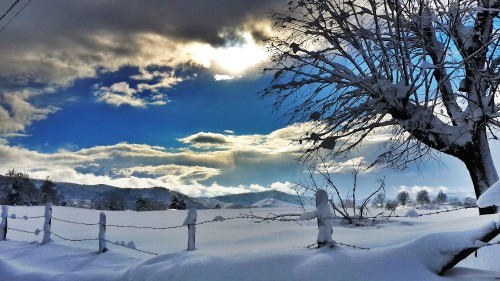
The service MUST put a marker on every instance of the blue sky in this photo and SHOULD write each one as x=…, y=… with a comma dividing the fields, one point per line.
x=160, y=93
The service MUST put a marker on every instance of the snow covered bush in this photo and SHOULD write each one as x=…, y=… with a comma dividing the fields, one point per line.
x=391, y=205
x=350, y=208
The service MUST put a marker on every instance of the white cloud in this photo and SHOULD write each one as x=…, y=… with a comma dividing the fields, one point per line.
x=222, y=77
x=245, y=159
x=55, y=53
x=117, y=99
x=121, y=93
x=277, y=142
x=286, y=187
x=348, y=166
x=227, y=164
x=167, y=80
x=433, y=190
x=17, y=113
x=231, y=60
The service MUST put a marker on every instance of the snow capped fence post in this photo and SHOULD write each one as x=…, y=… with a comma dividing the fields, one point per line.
x=47, y=223
x=190, y=221
x=324, y=216
x=102, y=233
x=3, y=225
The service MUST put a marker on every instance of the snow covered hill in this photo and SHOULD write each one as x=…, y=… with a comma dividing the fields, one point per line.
x=72, y=192
x=249, y=199
x=273, y=203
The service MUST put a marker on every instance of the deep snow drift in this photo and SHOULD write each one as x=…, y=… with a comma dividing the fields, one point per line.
x=239, y=249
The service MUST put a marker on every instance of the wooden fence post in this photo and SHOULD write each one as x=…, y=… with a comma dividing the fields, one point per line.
x=47, y=223
x=190, y=221
x=3, y=225
x=324, y=216
x=102, y=233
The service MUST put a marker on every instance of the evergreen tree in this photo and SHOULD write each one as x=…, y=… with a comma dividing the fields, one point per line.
x=49, y=193
x=441, y=198
x=177, y=203
x=21, y=191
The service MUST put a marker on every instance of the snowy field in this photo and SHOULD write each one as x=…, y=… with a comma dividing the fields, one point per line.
x=240, y=249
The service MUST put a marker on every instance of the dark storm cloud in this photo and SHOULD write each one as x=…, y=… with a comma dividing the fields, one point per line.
x=55, y=42
x=182, y=20
x=51, y=44
x=206, y=138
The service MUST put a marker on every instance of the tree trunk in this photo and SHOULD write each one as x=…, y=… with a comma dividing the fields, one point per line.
x=477, y=159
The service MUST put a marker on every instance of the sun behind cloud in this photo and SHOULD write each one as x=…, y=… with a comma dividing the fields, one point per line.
x=231, y=60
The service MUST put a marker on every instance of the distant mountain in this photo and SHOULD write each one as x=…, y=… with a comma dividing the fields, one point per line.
x=77, y=192
x=73, y=192
x=249, y=199
x=273, y=203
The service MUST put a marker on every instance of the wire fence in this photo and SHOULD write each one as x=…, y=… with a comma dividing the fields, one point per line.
x=270, y=217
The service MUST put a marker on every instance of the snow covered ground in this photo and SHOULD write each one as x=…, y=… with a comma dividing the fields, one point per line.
x=240, y=249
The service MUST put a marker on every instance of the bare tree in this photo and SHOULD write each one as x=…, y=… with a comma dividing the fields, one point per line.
x=423, y=197
x=379, y=200
x=352, y=211
x=403, y=197
x=427, y=71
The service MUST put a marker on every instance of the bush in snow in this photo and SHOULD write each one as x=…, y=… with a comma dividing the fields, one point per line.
x=350, y=207
x=469, y=202
x=391, y=205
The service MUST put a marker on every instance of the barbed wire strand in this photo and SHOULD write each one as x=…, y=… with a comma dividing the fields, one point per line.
x=74, y=222
x=135, y=249
x=176, y=226
x=144, y=227
x=269, y=217
x=97, y=239
x=343, y=244
x=23, y=217
x=405, y=216
x=73, y=240
x=21, y=230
